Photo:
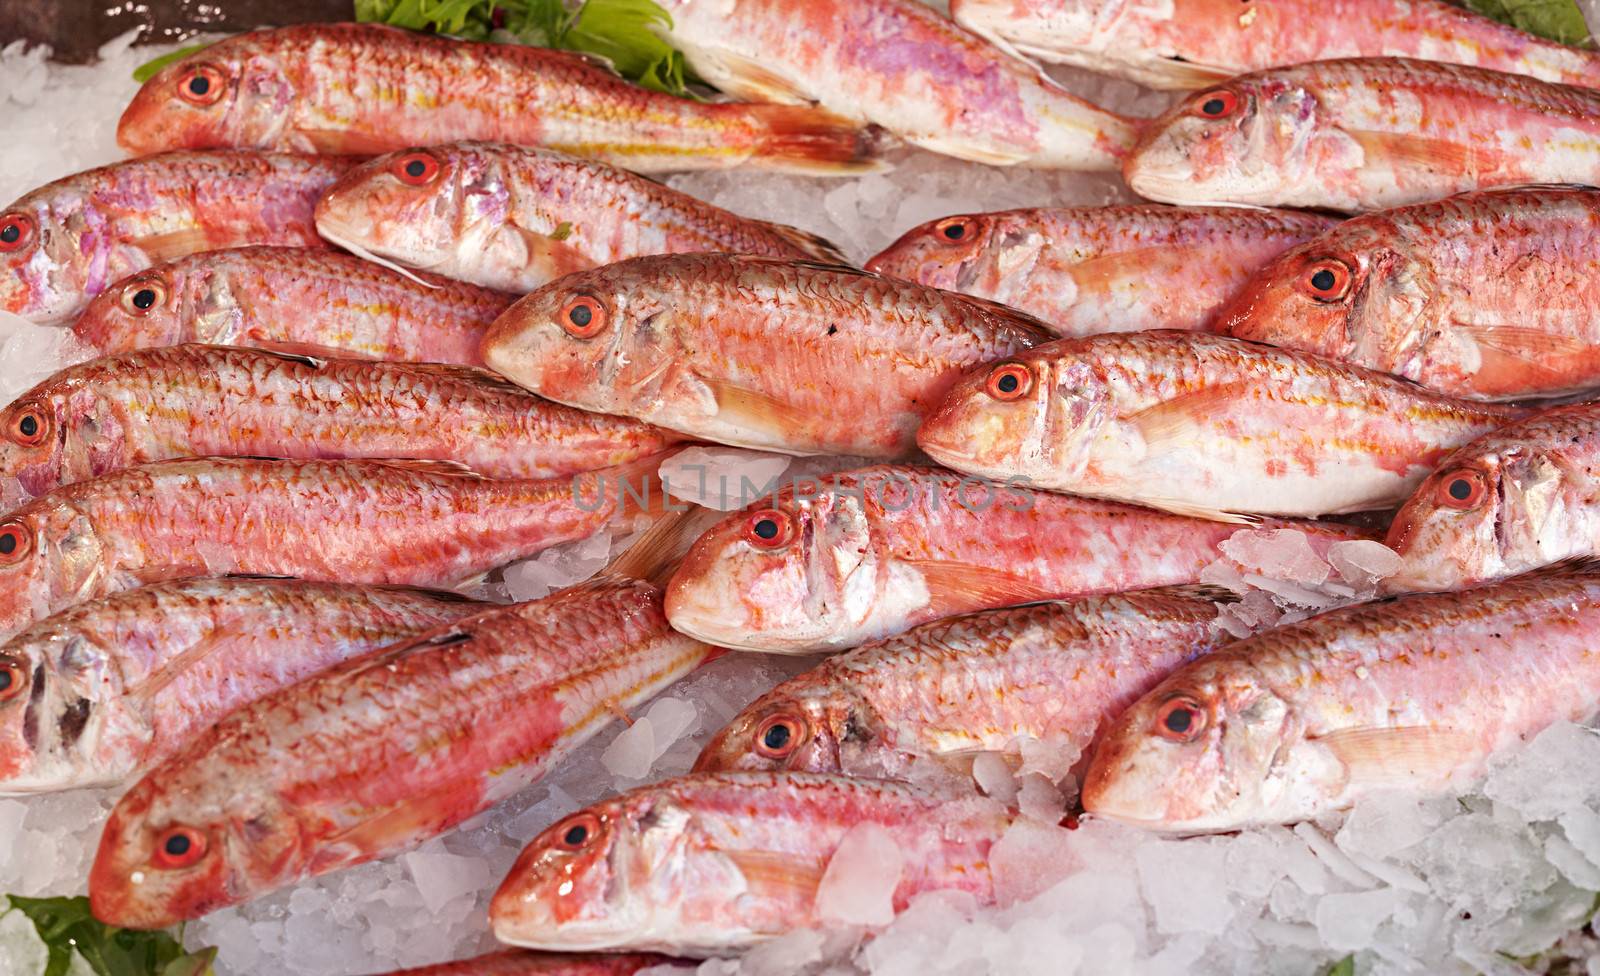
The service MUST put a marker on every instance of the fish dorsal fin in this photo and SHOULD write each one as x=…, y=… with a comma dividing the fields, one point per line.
x=1016, y=316
x=818, y=247
x=1400, y=754
x=306, y=350
x=431, y=466
x=955, y=587
x=298, y=358
x=475, y=375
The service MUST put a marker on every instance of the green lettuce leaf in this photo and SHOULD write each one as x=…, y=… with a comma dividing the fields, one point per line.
x=146, y=71
x=65, y=925
x=1557, y=20
x=1344, y=967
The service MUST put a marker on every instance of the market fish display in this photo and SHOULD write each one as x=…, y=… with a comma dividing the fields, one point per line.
x=369, y=89
x=833, y=562
x=519, y=963
x=1052, y=672
x=1202, y=425
x=1363, y=134
x=1511, y=501
x=321, y=776
x=1086, y=270
x=64, y=243
x=416, y=523
x=221, y=401
x=514, y=218
x=714, y=863
x=1415, y=693
x=1195, y=43
x=1490, y=295
x=104, y=690
x=904, y=66
x=259, y=296
x=791, y=356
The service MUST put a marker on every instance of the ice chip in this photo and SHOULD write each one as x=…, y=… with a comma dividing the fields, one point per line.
x=722, y=478
x=558, y=567
x=1170, y=875
x=994, y=777
x=633, y=750
x=1028, y=859
x=1039, y=799
x=858, y=886
x=1350, y=920
x=1363, y=563
x=441, y=878
x=1282, y=554
x=1557, y=772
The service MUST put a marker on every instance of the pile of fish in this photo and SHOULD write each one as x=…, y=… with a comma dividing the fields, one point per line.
x=358, y=334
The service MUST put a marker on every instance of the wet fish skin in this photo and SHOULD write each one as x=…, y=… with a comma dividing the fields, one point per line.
x=1511, y=501
x=67, y=241
x=380, y=753
x=758, y=352
x=221, y=401
x=104, y=690
x=1054, y=672
x=905, y=67
x=413, y=523
x=517, y=962
x=1488, y=295
x=712, y=863
x=1088, y=270
x=1203, y=425
x=1195, y=43
x=871, y=552
x=257, y=296
x=515, y=218
x=369, y=89
x=1296, y=722
x=1363, y=134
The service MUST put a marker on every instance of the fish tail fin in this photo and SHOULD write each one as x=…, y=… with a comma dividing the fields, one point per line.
x=803, y=139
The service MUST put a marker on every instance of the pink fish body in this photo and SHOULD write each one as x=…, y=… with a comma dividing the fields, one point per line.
x=1195, y=43
x=67, y=241
x=416, y=523
x=370, y=89
x=1363, y=134
x=380, y=753
x=714, y=863
x=1491, y=295
x=514, y=218
x=1416, y=693
x=903, y=66
x=1052, y=672
x=220, y=401
x=106, y=689
x=519, y=963
x=1088, y=270
x=258, y=296
x=830, y=563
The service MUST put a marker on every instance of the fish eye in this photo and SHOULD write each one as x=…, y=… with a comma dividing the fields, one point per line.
x=1180, y=719
x=574, y=833
x=954, y=229
x=16, y=232
x=779, y=736
x=415, y=168
x=201, y=85
x=28, y=425
x=769, y=529
x=1462, y=490
x=180, y=847
x=140, y=295
x=13, y=677
x=1218, y=104
x=15, y=542
x=1009, y=381
x=583, y=317
x=1327, y=280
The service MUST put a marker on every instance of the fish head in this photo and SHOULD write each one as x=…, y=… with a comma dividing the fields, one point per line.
x=412, y=206
x=229, y=95
x=144, y=310
x=176, y=848
x=1482, y=515
x=50, y=556
x=34, y=433
x=826, y=730
x=609, y=876
x=1034, y=415
x=809, y=570
x=946, y=253
x=1209, y=749
x=56, y=681
x=22, y=679
x=1241, y=142
x=53, y=255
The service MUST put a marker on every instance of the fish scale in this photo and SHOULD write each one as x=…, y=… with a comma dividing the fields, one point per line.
x=1416, y=692
x=91, y=228
x=196, y=401
x=378, y=754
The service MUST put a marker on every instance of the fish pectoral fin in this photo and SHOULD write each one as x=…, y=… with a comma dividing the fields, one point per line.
x=300, y=358
x=476, y=375
x=172, y=245
x=965, y=149
x=432, y=466
x=304, y=350
x=753, y=408
x=1183, y=417
x=1441, y=155
x=1401, y=754
x=1191, y=74
x=778, y=874
x=1178, y=506
x=1531, y=346
x=159, y=679
x=741, y=76
x=959, y=587
x=547, y=254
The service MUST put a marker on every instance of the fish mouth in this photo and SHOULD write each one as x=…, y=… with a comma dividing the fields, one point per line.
x=689, y=628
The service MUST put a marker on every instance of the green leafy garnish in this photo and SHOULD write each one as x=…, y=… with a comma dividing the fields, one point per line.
x=146, y=71
x=1344, y=967
x=65, y=925
x=622, y=32
x=1557, y=20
